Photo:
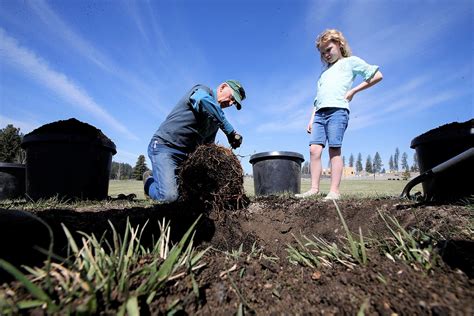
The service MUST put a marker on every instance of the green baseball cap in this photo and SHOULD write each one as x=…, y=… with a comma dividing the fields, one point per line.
x=238, y=92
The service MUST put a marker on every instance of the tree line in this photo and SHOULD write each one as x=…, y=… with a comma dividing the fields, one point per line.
x=10, y=141
x=375, y=164
x=124, y=171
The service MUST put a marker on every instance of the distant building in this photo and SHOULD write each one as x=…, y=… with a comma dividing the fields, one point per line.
x=347, y=172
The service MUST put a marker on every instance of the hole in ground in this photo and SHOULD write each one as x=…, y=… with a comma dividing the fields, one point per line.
x=458, y=254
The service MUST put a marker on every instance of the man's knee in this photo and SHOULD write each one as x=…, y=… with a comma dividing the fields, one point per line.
x=169, y=197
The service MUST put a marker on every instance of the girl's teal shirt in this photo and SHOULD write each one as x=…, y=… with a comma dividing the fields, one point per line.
x=337, y=80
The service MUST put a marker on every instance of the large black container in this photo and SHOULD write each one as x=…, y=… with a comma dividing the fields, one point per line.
x=12, y=180
x=276, y=172
x=68, y=159
x=439, y=145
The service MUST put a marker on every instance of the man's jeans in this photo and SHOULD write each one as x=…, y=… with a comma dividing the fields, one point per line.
x=165, y=162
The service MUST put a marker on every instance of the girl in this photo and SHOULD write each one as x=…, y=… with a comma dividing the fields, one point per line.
x=330, y=115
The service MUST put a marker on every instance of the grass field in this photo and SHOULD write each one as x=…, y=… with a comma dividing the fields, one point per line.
x=349, y=187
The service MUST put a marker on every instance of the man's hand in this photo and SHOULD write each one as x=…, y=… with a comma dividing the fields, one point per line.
x=235, y=140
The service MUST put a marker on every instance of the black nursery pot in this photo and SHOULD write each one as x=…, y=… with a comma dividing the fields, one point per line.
x=12, y=180
x=276, y=172
x=68, y=159
x=439, y=145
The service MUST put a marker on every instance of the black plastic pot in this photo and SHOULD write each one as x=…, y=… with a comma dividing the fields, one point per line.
x=276, y=172
x=12, y=180
x=70, y=160
x=438, y=146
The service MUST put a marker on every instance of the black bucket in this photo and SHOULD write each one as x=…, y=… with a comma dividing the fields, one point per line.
x=276, y=172
x=12, y=180
x=68, y=159
x=439, y=145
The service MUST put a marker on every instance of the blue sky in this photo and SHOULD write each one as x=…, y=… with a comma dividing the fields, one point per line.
x=122, y=65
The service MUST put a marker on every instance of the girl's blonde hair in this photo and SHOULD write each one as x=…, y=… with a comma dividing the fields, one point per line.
x=335, y=36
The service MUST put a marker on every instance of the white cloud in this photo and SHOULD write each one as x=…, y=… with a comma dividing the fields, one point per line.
x=317, y=13
x=68, y=35
x=39, y=70
x=155, y=30
x=406, y=106
x=290, y=122
x=141, y=90
x=411, y=37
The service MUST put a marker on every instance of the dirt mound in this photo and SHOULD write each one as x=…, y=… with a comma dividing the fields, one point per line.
x=71, y=128
x=212, y=176
x=248, y=269
x=264, y=281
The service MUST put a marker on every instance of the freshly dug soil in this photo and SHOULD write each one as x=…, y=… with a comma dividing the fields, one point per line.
x=459, y=130
x=260, y=279
x=71, y=128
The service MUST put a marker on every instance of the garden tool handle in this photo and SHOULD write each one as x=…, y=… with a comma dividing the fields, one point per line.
x=468, y=154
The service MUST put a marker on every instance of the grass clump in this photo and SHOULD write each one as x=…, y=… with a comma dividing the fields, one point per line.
x=100, y=275
x=316, y=252
x=413, y=247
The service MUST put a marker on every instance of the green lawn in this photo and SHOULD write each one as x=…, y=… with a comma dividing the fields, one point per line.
x=350, y=187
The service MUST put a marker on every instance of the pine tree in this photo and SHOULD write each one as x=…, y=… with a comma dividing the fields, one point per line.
x=359, y=167
x=343, y=161
x=415, y=168
x=377, y=163
x=391, y=167
x=305, y=169
x=405, y=162
x=368, y=165
x=10, y=141
x=351, y=160
x=395, y=159
x=140, y=168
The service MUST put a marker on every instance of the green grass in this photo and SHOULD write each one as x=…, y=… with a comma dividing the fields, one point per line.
x=101, y=275
x=126, y=187
x=365, y=187
x=349, y=187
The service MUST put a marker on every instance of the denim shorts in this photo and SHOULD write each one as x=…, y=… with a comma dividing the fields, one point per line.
x=329, y=125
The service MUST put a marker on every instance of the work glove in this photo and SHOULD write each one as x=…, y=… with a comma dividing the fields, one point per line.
x=235, y=140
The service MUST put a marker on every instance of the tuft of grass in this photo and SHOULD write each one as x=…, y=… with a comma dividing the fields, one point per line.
x=407, y=246
x=256, y=253
x=121, y=273
x=357, y=247
x=315, y=252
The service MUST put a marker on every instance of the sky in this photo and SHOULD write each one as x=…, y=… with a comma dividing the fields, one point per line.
x=121, y=66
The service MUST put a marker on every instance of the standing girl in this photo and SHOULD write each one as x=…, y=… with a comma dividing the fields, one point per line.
x=330, y=115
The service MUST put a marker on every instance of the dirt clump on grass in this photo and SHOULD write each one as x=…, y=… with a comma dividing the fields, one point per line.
x=250, y=270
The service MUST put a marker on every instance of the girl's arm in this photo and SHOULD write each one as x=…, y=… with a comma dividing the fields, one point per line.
x=377, y=77
x=310, y=124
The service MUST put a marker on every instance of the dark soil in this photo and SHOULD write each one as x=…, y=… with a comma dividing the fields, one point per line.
x=461, y=131
x=262, y=280
x=71, y=128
